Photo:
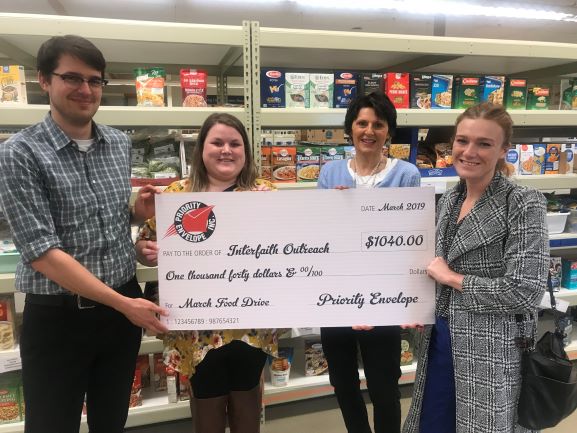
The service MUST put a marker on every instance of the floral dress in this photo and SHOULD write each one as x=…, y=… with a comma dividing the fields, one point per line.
x=184, y=350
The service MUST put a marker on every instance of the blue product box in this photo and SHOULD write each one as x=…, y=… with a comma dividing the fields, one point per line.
x=442, y=91
x=493, y=89
x=345, y=88
x=569, y=273
x=272, y=91
x=438, y=172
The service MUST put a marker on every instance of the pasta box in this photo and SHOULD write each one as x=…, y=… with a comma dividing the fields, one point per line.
x=297, y=89
x=442, y=91
x=12, y=85
x=421, y=91
x=493, y=89
x=566, y=161
x=308, y=163
x=345, y=89
x=538, y=98
x=371, y=82
x=272, y=92
x=467, y=91
x=552, y=156
x=515, y=93
x=397, y=89
x=332, y=153
x=321, y=90
x=283, y=163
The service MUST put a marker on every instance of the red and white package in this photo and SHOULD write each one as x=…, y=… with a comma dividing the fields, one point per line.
x=193, y=83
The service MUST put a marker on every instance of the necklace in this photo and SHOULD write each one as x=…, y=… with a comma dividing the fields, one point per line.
x=366, y=181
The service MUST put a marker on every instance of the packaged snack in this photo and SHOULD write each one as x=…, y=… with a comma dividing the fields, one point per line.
x=193, y=83
x=315, y=361
x=515, y=93
x=280, y=367
x=159, y=372
x=297, y=89
x=12, y=85
x=421, y=86
x=467, y=91
x=345, y=89
x=442, y=91
x=397, y=89
x=10, y=398
x=321, y=90
x=150, y=87
x=136, y=390
x=272, y=92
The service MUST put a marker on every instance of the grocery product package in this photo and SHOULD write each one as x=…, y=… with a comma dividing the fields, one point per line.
x=150, y=86
x=442, y=91
x=515, y=93
x=538, y=98
x=321, y=90
x=421, y=85
x=272, y=92
x=193, y=83
x=136, y=390
x=315, y=360
x=467, y=91
x=280, y=366
x=12, y=85
x=397, y=89
x=7, y=322
x=297, y=89
x=11, y=398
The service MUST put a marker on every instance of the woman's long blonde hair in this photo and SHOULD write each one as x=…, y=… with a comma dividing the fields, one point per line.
x=198, y=179
x=498, y=114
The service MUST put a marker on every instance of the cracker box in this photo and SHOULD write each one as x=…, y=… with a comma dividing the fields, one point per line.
x=466, y=91
x=493, y=89
x=512, y=159
x=308, y=163
x=442, y=91
x=321, y=90
x=370, y=82
x=397, y=89
x=12, y=85
x=539, y=151
x=552, y=157
x=526, y=158
x=421, y=85
x=297, y=89
x=283, y=163
x=332, y=153
x=345, y=89
x=515, y=93
x=538, y=98
x=272, y=88
x=566, y=161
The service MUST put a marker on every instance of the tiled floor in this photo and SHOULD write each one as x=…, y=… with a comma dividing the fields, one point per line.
x=319, y=415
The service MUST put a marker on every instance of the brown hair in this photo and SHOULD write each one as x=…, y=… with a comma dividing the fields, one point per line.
x=498, y=114
x=198, y=179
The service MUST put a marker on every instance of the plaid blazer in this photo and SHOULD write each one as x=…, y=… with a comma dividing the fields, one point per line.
x=502, y=248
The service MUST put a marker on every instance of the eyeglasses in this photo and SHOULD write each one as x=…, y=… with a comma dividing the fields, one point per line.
x=76, y=81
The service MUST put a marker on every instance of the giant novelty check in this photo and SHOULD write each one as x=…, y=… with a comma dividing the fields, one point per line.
x=283, y=259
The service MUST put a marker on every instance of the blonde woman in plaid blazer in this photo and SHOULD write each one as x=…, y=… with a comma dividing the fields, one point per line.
x=491, y=272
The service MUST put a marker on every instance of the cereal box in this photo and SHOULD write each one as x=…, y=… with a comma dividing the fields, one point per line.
x=332, y=153
x=467, y=92
x=512, y=159
x=539, y=151
x=12, y=85
x=283, y=162
x=441, y=91
x=308, y=163
x=297, y=89
x=321, y=90
x=538, y=98
x=193, y=84
x=345, y=89
x=265, y=167
x=150, y=87
x=566, y=161
x=515, y=93
x=526, y=158
x=493, y=89
x=397, y=89
x=552, y=156
x=272, y=92
x=370, y=82
x=421, y=85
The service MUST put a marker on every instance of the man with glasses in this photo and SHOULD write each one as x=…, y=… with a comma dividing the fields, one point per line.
x=65, y=193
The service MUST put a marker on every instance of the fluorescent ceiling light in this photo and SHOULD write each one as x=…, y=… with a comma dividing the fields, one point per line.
x=434, y=7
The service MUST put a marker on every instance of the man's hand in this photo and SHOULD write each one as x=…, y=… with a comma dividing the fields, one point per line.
x=142, y=313
x=144, y=204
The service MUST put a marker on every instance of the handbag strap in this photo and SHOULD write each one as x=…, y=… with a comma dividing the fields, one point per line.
x=556, y=314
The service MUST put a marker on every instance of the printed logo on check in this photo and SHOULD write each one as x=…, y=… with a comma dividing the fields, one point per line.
x=193, y=221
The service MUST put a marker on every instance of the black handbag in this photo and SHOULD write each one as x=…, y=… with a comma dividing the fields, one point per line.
x=549, y=387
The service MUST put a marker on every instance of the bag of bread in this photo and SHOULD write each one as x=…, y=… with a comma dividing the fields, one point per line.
x=193, y=83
